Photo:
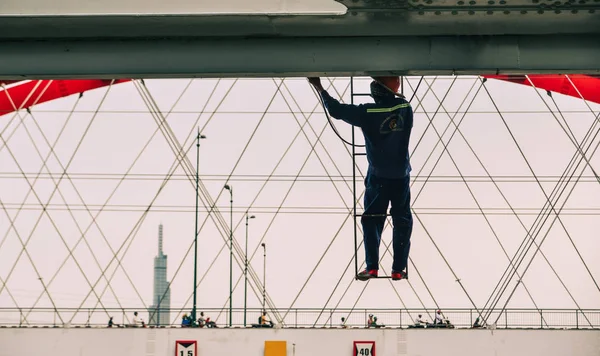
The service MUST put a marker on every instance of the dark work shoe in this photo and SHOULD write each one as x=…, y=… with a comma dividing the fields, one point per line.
x=367, y=274
x=396, y=276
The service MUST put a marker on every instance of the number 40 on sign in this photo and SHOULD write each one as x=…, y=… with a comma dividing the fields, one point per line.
x=364, y=348
x=186, y=348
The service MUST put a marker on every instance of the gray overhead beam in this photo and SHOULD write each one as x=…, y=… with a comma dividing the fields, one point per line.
x=256, y=57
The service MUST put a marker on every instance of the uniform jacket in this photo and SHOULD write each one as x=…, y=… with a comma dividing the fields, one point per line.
x=386, y=127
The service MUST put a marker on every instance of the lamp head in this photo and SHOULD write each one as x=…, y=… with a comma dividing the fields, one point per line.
x=202, y=136
x=251, y=217
x=263, y=244
x=227, y=187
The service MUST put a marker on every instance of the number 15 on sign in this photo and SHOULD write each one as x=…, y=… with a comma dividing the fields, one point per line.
x=364, y=348
x=185, y=348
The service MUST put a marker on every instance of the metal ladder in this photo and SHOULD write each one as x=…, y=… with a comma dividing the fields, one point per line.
x=355, y=154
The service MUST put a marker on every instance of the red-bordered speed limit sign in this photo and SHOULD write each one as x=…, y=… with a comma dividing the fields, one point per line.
x=186, y=348
x=363, y=348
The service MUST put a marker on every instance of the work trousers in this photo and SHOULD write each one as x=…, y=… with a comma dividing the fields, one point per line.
x=378, y=195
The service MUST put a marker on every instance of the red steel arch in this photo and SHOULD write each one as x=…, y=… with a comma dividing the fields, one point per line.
x=588, y=86
x=30, y=93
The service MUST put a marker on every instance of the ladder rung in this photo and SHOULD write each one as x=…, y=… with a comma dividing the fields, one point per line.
x=359, y=215
x=360, y=153
x=361, y=94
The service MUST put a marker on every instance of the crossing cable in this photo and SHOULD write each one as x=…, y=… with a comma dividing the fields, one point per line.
x=538, y=223
x=103, y=208
x=135, y=229
x=525, y=240
x=511, y=208
x=86, y=208
x=535, y=252
x=319, y=142
x=312, y=150
x=522, y=244
x=567, y=128
x=557, y=217
x=5, y=144
x=430, y=122
x=251, y=271
x=133, y=233
x=435, y=165
x=241, y=252
x=573, y=139
x=52, y=152
x=20, y=123
x=127, y=242
x=313, y=145
x=50, y=198
x=267, y=180
x=12, y=298
x=187, y=164
x=166, y=130
x=488, y=222
x=172, y=170
x=131, y=166
x=23, y=244
x=16, y=109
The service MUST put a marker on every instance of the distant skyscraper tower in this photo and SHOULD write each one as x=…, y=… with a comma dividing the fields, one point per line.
x=161, y=302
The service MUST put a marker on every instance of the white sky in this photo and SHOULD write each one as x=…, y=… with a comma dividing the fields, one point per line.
x=247, y=115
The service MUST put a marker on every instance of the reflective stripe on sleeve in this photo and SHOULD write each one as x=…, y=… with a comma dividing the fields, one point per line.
x=394, y=108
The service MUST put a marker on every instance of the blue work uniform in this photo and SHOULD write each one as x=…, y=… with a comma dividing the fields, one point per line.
x=386, y=127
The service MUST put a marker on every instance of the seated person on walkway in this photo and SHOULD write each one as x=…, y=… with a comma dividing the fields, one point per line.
x=137, y=321
x=419, y=323
x=375, y=325
x=438, y=318
x=372, y=322
x=210, y=323
x=264, y=321
x=477, y=324
x=343, y=325
x=201, y=320
x=186, y=321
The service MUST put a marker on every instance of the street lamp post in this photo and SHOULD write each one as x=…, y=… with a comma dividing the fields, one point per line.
x=246, y=267
x=230, y=189
x=199, y=137
x=264, y=274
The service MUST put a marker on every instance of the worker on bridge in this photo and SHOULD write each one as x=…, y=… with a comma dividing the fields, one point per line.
x=386, y=126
